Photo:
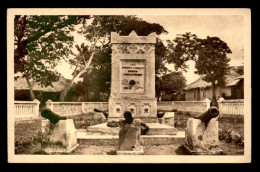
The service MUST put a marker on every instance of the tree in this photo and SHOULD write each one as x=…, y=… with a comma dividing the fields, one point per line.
x=94, y=33
x=98, y=54
x=210, y=56
x=170, y=84
x=40, y=42
x=173, y=82
x=240, y=70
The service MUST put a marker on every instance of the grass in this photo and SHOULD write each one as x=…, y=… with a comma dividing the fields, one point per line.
x=27, y=136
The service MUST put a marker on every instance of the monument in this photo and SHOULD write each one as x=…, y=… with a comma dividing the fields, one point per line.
x=133, y=91
x=133, y=76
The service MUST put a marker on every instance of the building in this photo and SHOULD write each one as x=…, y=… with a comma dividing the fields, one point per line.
x=42, y=93
x=200, y=89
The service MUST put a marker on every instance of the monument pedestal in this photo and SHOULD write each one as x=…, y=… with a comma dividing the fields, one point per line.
x=140, y=151
x=167, y=119
x=60, y=137
x=201, y=139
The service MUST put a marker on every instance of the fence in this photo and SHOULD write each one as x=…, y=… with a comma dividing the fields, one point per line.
x=26, y=109
x=226, y=107
x=231, y=107
x=30, y=109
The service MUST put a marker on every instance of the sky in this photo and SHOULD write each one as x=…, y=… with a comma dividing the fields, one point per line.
x=228, y=28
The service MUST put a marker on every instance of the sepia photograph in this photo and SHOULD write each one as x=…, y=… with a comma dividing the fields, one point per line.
x=129, y=85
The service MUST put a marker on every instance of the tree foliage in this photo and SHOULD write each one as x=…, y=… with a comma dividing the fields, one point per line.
x=169, y=85
x=40, y=43
x=210, y=56
x=173, y=82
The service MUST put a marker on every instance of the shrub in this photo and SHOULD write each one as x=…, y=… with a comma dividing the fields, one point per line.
x=231, y=136
x=82, y=121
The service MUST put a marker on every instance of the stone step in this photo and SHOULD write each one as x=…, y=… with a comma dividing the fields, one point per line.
x=160, y=129
x=154, y=129
x=112, y=140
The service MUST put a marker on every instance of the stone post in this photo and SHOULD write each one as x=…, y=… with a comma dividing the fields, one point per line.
x=49, y=104
x=83, y=107
x=201, y=139
x=207, y=102
x=36, y=113
x=220, y=100
x=169, y=118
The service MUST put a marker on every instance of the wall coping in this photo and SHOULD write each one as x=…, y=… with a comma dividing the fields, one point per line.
x=133, y=38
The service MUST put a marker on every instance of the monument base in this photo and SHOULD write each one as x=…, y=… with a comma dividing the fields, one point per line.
x=134, y=152
x=139, y=107
x=154, y=129
x=59, y=150
x=143, y=119
x=167, y=119
x=213, y=151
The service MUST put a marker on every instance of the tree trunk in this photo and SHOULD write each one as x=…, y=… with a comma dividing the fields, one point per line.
x=97, y=94
x=214, y=99
x=86, y=92
x=67, y=89
x=30, y=88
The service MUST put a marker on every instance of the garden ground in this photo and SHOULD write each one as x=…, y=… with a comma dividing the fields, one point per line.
x=231, y=135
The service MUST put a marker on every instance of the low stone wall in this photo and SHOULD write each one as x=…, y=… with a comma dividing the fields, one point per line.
x=65, y=108
x=89, y=106
x=75, y=108
x=192, y=106
x=165, y=105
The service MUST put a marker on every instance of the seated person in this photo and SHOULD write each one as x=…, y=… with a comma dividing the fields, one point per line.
x=129, y=120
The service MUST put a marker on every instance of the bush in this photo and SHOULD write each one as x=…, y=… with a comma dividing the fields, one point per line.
x=84, y=120
x=23, y=144
x=231, y=136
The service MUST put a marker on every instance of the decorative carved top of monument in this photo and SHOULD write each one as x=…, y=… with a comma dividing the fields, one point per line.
x=133, y=38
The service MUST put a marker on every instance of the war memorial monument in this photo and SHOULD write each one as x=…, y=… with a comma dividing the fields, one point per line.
x=133, y=119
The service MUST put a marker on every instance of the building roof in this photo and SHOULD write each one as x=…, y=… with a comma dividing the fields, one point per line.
x=21, y=84
x=235, y=82
x=232, y=79
x=199, y=83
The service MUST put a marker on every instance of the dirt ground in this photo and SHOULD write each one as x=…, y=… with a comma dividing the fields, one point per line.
x=110, y=150
x=228, y=149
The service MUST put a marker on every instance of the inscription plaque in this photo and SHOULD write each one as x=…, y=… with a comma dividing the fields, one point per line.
x=132, y=76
